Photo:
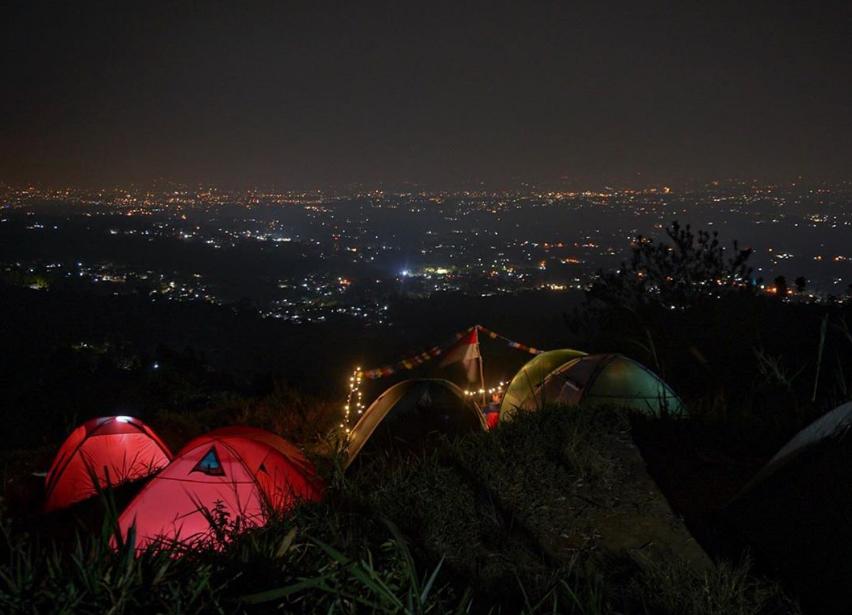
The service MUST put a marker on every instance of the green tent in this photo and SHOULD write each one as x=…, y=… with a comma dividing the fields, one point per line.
x=610, y=379
x=409, y=413
x=523, y=387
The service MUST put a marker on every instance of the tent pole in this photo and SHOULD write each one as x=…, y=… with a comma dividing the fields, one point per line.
x=482, y=379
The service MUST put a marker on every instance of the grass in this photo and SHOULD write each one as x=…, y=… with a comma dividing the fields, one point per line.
x=503, y=522
x=724, y=590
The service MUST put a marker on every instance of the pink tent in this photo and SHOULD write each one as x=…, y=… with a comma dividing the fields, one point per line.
x=238, y=475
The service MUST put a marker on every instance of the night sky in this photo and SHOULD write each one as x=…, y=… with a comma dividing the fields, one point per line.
x=326, y=95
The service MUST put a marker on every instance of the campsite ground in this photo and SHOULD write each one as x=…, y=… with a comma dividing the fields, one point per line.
x=698, y=474
x=552, y=511
x=490, y=528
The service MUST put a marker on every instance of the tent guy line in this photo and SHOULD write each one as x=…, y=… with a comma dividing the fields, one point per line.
x=436, y=351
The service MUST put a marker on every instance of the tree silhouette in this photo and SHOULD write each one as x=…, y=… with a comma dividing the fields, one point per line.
x=781, y=288
x=690, y=266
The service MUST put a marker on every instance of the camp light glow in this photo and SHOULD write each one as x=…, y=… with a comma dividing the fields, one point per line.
x=491, y=391
x=354, y=399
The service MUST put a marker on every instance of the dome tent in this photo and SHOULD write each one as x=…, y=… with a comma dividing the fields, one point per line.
x=794, y=515
x=532, y=375
x=304, y=480
x=829, y=427
x=102, y=452
x=409, y=413
x=610, y=379
x=242, y=473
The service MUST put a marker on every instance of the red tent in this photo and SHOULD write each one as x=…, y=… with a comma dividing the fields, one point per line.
x=115, y=449
x=300, y=478
x=240, y=473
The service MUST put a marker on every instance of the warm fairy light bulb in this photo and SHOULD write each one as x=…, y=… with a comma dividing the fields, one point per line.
x=353, y=399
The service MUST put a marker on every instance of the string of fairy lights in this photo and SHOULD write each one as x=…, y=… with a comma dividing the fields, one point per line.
x=495, y=389
x=354, y=405
x=354, y=400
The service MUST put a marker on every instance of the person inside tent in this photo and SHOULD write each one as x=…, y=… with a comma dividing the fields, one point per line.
x=492, y=410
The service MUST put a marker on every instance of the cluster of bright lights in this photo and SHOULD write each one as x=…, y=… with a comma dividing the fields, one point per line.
x=491, y=391
x=354, y=400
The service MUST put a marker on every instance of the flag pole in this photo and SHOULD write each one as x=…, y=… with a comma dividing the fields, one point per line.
x=481, y=369
x=482, y=382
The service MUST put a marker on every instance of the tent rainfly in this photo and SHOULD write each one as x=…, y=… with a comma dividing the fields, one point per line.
x=530, y=377
x=606, y=379
x=794, y=514
x=239, y=473
x=829, y=427
x=102, y=452
x=410, y=412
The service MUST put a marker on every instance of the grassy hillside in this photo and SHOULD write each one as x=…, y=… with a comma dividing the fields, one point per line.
x=552, y=512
